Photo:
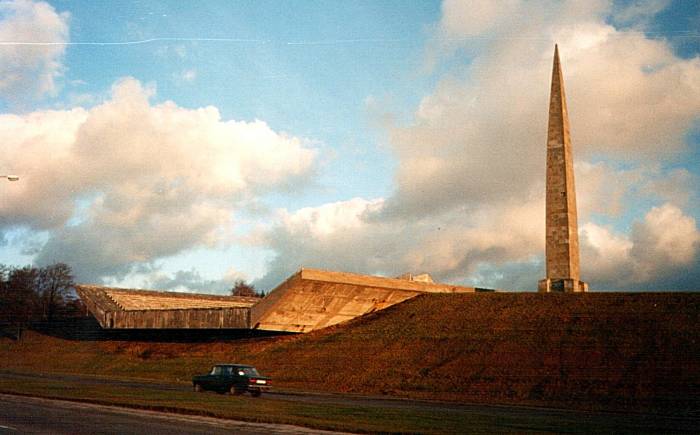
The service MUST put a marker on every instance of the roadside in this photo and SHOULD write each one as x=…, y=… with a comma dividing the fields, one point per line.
x=334, y=411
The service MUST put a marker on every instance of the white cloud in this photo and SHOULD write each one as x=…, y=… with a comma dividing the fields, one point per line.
x=499, y=247
x=333, y=236
x=479, y=137
x=605, y=255
x=153, y=180
x=603, y=189
x=185, y=76
x=675, y=186
x=462, y=19
x=188, y=281
x=30, y=71
x=80, y=99
x=469, y=198
x=353, y=236
x=329, y=219
x=189, y=75
x=661, y=245
x=477, y=141
x=666, y=237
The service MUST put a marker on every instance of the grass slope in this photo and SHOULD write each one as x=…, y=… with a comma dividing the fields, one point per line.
x=637, y=351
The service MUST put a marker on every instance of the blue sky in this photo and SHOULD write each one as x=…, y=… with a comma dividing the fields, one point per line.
x=305, y=69
x=183, y=145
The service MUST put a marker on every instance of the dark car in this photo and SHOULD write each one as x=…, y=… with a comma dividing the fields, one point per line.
x=234, y=378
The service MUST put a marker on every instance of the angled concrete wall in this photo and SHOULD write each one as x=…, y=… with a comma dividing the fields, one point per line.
x=313, y=299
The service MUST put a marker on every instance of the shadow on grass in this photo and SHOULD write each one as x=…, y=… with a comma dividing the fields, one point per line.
x=9, y=332
x=87, y=329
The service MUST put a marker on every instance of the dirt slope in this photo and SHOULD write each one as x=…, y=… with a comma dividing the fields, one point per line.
x=593, y=350
x=636, y=351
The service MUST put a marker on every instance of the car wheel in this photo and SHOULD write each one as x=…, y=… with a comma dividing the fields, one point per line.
x=197, y=388
x=256, y=393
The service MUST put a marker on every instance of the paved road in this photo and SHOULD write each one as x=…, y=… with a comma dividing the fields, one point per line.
x=29, y=415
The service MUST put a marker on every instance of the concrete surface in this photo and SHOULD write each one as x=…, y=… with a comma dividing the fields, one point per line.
x=308, y=300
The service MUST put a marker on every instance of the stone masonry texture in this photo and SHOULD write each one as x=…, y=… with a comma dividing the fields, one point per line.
x=562, y=248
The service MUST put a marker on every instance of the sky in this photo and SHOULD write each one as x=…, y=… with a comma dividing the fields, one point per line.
x=185, y=145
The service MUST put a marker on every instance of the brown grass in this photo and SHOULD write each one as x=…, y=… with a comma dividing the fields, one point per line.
x=589, y=351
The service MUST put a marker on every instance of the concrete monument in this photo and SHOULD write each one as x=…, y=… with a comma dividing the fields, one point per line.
x=562, y=249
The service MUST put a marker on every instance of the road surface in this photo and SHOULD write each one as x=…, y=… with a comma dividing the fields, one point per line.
x=29, y=415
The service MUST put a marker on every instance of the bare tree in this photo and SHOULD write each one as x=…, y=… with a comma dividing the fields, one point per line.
x=53, y=283
x=18, y=300
x=242, y=288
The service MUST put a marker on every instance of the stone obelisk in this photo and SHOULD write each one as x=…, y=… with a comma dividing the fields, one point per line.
x=562, y=250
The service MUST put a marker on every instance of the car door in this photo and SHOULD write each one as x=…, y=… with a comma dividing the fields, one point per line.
x=227, y=378
x=240, y=378
x=214, y=378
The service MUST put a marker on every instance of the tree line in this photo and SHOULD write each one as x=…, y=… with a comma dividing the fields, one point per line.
x=30, y=295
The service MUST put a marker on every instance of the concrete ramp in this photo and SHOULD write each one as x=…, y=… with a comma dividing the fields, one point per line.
x=313, y=299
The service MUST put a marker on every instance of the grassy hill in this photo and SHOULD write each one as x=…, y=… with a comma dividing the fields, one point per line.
x=638, y=351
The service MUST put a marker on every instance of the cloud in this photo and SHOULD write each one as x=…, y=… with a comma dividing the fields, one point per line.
x=469, y=19
x=332, y=236
x=664, y=244
x=189, y=281
x=468, y=204
x=479, y=136
x=674, y=186
x=477, y=141
x=639, y=12
x=348, y=235
x=605, y=256
x=665, y=239
x=499, y=248
x=127, y=182
x=30, y=71
x=605, y=189
x=185, y=76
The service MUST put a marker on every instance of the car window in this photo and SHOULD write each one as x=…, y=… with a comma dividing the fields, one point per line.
x=250, y=371
x=217, y=371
